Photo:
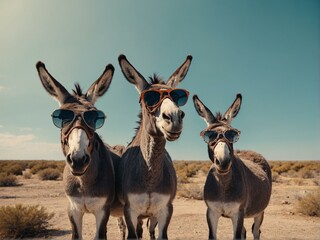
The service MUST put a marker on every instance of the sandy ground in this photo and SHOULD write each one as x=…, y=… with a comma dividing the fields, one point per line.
x=188, y=221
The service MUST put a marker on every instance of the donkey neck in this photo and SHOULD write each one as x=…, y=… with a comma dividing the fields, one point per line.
x=151, y=143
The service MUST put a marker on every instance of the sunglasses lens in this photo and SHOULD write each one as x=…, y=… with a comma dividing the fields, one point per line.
x=94, y=119
x=151, y=98
x=62, y=117
x=179, y=96
x=232, y=135
x=210, y=136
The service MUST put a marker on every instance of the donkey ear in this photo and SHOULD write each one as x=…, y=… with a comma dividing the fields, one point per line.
x=101, y=85
x=131, y=74
x=52, y=86
x=203, y=111
x=233, y=110
x=180, y=73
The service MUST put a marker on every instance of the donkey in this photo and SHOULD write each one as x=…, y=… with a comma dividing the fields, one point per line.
x=146, y=180
x=235, y=188
x=89, y=178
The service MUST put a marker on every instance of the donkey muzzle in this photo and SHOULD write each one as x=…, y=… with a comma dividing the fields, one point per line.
x=78, y=165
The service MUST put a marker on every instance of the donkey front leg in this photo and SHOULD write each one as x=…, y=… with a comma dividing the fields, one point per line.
x=212, y=220
x=239, y=231
x=164, y=217
x=75, y=218
x=102, y=218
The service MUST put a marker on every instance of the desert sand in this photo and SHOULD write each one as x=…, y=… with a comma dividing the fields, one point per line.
x=281, y=221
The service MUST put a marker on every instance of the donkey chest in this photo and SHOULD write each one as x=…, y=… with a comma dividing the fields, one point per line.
x=148, y=203
x=87, y=204
x=226, y=209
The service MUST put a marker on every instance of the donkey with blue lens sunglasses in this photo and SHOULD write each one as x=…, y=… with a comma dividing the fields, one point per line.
x=89, y=179
x=94, y=119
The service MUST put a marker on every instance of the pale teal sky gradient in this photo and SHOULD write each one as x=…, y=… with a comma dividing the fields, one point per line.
x=267, y=50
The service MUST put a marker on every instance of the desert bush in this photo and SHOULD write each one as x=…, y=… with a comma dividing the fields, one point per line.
x=310, y=204
x=15, y=169
x=307, y=173
x=304, y=169
x=297, y=166
x=41, y=165
x=7, y=180
x=27, y=175
x=188, y=169
x=192, y=191
x=23, y=221
x=275, y=177
x=49, y=174
x=282, y=168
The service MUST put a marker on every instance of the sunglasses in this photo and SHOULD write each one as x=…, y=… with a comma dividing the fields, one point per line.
x=94, y=119
x=231, y=135
x=153, y=98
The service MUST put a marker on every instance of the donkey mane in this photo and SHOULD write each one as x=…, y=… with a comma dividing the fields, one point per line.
x=155, y=79
x=219, y=116
x=138, y=127
x=78, y=91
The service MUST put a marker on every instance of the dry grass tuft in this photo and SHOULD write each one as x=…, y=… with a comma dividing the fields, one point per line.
x=310, y=204
x=23, y=221
x=7, y=180
x=49, y=174
x=192, y=191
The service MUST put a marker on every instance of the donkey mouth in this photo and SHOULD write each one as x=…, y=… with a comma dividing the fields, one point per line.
x=172, y=136
x=78, y=171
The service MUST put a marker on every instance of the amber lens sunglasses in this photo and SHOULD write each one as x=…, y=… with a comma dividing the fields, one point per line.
x=231, y=135
x=153, y=98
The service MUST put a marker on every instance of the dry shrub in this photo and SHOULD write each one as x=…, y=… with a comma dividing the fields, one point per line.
x=49, y=174
x=282, y=168
x=310, y=204
x=15, y=169
x=307, y=173
x=41, y=165
x=188, y=169
x=192, y=191
x=297, y=166
x=275, y=177
x=27, y=175
x=304, y=169
x=23, y=221
x=7, y=180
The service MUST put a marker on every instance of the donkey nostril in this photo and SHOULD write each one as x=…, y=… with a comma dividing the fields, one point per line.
x=166, y=117
x=69, y=160
x=217, y=162
x=86, y=159
x=182, y=114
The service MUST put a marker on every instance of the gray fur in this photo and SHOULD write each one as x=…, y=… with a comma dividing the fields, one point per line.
x=97, y=184
x=146, y=169
x=242, y=181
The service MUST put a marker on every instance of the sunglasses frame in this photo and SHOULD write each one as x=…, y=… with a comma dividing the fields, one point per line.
x=82, y=116
x=219, y=133
x=153, y=108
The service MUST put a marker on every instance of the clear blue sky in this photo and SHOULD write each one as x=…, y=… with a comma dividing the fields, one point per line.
x=267, y=50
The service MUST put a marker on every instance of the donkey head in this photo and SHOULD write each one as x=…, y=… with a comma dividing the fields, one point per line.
x=77, y=116
x=160, y=101
x=219, y=135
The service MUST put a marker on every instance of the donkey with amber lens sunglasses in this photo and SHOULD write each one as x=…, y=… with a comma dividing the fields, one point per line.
x=153, y=98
